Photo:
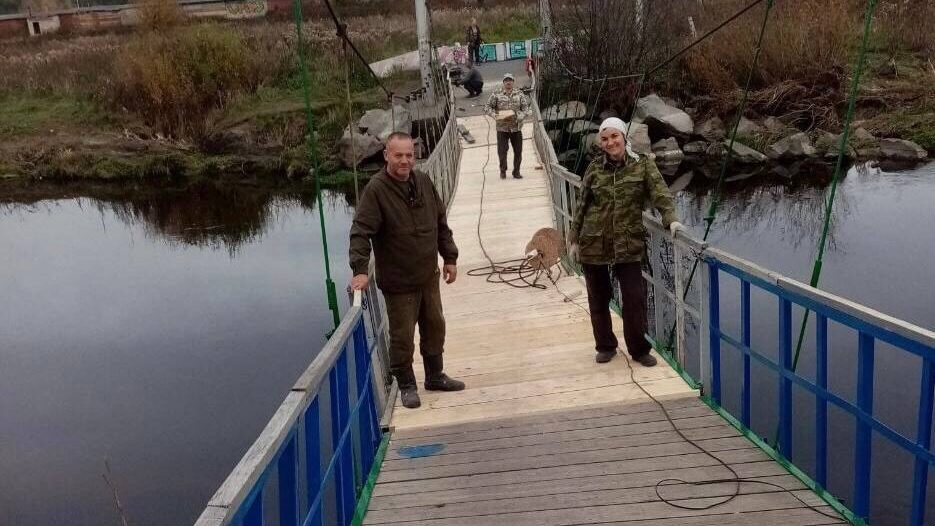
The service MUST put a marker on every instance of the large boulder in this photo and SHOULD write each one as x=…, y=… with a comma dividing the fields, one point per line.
x=711, y=130
x=591, y=145
x=667, y=151
x=792, y=147
x=776, y=126
x=638, y=137
x=695, y=148
x=581, y=126
x=829, y=144
x=667, y=119
x=742, y=154
x=902, y=150
x=380, y=123
x=567, y=158
x=682, y=182
x=354, y=149
x=570, y=110
x=865, y=144
x=608, y=113
x=748, y=128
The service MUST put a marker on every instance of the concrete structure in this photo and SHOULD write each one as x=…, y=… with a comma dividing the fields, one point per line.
x=99, y=18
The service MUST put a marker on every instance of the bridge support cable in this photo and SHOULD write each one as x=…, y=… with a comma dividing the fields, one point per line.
x=859, y=67
x=315, y=161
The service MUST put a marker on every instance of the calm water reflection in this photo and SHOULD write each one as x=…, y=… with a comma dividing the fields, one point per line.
x=161, y=330
x=881, y=254
x=160, y=333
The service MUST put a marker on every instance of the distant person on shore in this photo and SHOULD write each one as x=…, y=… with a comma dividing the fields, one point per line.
x=607, y=238
x=472, y=81
x=474, y=41
x=401, y=215
x=509, y=107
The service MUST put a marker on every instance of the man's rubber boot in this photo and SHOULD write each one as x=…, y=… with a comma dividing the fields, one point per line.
x=516, y=175
x=647, y=360
x=435, y=379
x=502, y=174
x=605, y=356
x=408, y=389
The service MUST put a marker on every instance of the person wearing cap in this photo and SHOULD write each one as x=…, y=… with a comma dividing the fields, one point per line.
x=607, y=238
x=509, y=107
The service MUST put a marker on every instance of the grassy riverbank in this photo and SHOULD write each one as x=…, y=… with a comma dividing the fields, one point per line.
x=177, y=98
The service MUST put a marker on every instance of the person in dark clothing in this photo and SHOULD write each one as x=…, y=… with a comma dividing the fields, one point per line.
x=473, y=40
x=402, y=216
x=472, y=81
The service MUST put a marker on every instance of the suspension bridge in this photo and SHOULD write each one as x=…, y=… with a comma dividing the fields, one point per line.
x=545, y=436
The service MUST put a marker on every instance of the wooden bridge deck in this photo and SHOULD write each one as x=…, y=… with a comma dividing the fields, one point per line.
x=543, y=435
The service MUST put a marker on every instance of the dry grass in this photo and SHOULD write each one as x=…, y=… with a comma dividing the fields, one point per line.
x=159, y=15
x=176, y=76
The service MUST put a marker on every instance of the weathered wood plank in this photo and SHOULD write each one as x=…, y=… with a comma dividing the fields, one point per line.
x=761, y=469
x=708, y=427
x=568, y=471
x=602, y=415
x=744, y=503
x=585, y=499
x=570, y=459
x=723, y=439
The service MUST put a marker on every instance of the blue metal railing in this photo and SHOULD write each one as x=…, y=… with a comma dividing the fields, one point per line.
x=316, y=464
x=870, y=327
x=693, y=308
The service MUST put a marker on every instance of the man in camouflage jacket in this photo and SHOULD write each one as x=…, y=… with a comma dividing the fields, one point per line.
x=608, y=237
x=509, y=129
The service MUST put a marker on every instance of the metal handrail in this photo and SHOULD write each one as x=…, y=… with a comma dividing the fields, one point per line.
x=670, y=258
x=329, y=485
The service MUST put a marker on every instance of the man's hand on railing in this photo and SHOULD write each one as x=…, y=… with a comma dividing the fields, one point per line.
x=360, y=281
x=675, y=226
x=450, y=273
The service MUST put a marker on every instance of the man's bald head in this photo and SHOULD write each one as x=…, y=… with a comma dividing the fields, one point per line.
x=399, y=155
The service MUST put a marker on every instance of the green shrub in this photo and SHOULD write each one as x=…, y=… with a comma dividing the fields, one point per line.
x=175, y=79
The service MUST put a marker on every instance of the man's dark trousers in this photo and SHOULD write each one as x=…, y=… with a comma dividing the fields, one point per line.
x=474, y=52
x=632, y=306
x=404, y=311
x=504, y=140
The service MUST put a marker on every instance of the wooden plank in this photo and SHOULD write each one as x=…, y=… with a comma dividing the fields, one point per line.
x=511, y=405
x=760, y=469
x=715, y=428
x=716, y=440
x=540, y=474
x=569, y=459
x=587, y=499
x=600, y=415
x=633, y=511
x=798, y=516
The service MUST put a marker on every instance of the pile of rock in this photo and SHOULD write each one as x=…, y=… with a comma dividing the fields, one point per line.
x=370, y=133
x=670, y=133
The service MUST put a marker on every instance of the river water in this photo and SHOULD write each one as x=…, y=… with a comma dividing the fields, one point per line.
x=159, y=331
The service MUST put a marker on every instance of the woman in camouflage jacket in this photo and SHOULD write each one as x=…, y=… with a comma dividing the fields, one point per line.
x=607, y=238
